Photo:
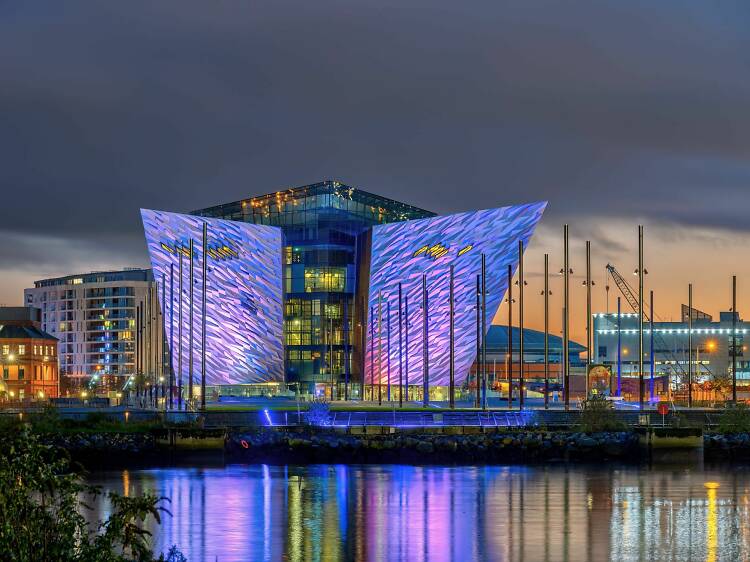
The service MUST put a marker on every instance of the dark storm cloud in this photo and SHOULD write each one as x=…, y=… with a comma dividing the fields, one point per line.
x=607, y=109
x=43, y=255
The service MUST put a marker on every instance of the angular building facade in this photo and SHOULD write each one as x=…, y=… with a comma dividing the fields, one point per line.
x=302, y=285
x=406, y=254
x=243, y=328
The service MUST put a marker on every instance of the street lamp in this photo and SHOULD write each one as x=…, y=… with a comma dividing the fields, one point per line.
x=9, y=359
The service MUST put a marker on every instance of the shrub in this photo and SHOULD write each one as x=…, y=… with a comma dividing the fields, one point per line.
x=41, y=504
x=598, y=414
x=45, y=421
x=735, y=419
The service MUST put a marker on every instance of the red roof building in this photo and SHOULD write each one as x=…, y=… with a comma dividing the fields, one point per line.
x=28, y=358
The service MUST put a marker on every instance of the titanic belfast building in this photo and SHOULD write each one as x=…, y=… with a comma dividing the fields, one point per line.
x=325, y=284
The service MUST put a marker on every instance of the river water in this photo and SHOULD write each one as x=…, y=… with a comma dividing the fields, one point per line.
x=533, y=513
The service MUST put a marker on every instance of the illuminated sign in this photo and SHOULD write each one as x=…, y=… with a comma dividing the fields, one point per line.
x=221, y=251
x=437, y=251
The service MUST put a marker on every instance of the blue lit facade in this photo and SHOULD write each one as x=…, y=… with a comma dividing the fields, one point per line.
x=243, y=297
x=403, y=252
x=340, y=252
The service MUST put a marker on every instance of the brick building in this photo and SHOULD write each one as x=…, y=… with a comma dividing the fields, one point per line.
x=28, y=356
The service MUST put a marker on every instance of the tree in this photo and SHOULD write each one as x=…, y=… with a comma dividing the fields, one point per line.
x=42, y=501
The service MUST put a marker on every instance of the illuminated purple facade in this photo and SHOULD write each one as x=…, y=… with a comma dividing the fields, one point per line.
x=402, y=252
x=303, y=286
x=244, y=331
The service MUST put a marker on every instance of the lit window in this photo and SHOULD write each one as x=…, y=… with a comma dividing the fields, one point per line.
x=22, y=349
x=6, y=349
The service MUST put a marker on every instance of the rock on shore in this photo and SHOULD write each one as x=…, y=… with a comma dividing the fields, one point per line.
x=726, y=447
x=483, y=448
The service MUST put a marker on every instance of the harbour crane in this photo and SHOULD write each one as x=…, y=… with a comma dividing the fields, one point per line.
x=630, y=296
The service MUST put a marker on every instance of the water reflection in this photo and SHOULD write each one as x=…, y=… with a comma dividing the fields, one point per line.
x=329, y=512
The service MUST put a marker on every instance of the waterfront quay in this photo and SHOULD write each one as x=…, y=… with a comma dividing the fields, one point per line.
x=275, y=413
x=318, y=433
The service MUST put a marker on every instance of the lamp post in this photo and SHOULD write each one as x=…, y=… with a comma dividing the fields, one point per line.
x=640, y=317
x=190, y=328
x=347, y=359
x=400, y=349
x=690, y=345
x=509, y=354
x=451, y=328
x=651, y=345
x=380, y=348
x=388, y=345
x=589, y=283
x=520, y=326
x=147, y=347
x=484, y=332
x=734, y=339
x=330, y=355
x=149, y=343
x=566, y=319
x=9, y=359
x=171, y=336
x=406, y=344
x=203, y=316
x=425, y=344
x=546, y=294
x=372, y=353
x=619, y=349
x=163, y=335
x=179, y=335
x=478, y=399
x=138, y=350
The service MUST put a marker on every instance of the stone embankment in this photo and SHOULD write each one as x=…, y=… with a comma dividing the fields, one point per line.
x=727, y=447
x=424, y=448
x=108, y=449
x=308, y=445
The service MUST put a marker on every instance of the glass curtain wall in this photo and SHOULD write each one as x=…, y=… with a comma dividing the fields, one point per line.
x=321, y=224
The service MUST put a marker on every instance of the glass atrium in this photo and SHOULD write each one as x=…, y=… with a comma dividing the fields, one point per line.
x=324, y=225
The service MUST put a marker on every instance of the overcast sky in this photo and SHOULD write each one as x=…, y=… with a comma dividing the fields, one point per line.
x=615, y=112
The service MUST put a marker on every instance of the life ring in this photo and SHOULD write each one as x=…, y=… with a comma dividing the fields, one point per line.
x=244, y=444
